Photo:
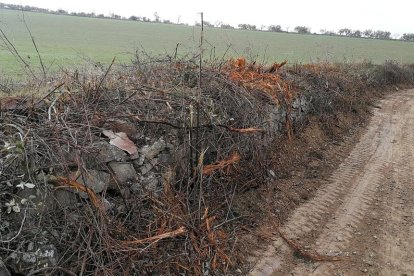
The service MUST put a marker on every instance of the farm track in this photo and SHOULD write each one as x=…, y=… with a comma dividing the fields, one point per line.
x=365, y=214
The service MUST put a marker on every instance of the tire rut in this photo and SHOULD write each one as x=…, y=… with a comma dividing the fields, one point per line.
x=395, y=251
x=329, y=222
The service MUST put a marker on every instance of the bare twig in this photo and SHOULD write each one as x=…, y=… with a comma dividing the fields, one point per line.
x=106, y=74
x=12, y=49
x=35, y=46
x=50, y=92
x=53, y=268
x=181, y=230
x=18, y=232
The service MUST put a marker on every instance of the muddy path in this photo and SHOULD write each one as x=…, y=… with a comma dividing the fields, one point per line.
x=365, y=214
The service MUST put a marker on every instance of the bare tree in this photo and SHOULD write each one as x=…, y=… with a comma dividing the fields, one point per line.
x=157, y=17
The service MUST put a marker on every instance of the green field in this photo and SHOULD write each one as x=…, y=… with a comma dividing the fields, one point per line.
x=67, y=41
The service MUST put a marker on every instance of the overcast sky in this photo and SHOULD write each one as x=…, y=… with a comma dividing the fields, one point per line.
x=395, y=16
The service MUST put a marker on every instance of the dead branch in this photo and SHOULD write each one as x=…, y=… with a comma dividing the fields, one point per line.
x=63, y=182
x=54, y=268
x=175, y=233
x=229, y=128
x=313, y=256
x=209, y=169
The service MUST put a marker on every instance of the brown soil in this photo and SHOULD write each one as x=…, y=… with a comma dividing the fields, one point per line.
x=363, y=213
x=301, y=167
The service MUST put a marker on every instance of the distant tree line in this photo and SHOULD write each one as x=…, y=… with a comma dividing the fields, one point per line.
x=157, y=18
x=272, y=28
x=24, y=8
x=385, y=35
x=368, y=34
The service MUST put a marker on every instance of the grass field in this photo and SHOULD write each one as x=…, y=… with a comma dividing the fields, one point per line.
x=67, y=40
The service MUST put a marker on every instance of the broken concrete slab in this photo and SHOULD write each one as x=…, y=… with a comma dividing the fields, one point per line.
x=98, y=181
x=146, y=168
x=108, y=153
x=39, y=257
x=149, y=183
x=149, y=152
x=65, y=199
x=124, y=172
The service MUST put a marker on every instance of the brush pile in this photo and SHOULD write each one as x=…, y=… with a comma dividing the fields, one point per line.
x=134, y=170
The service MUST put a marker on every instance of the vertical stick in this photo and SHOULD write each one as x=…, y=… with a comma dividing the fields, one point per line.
x=199, y=171
x=176, y=50
x=190, y=140
x=201, y=50
x=199, y=86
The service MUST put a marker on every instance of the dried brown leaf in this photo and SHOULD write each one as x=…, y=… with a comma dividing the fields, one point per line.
x=121, y=141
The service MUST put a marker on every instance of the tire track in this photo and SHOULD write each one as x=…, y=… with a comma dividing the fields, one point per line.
x=329, y=222
x=396, y=250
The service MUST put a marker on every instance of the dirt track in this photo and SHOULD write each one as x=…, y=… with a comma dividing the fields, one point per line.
x=365, y=214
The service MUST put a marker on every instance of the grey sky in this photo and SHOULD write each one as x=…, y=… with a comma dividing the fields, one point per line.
x=394, y=16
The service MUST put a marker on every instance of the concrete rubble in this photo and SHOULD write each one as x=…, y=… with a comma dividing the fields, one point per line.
x=109, y=167
x=34, y=255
